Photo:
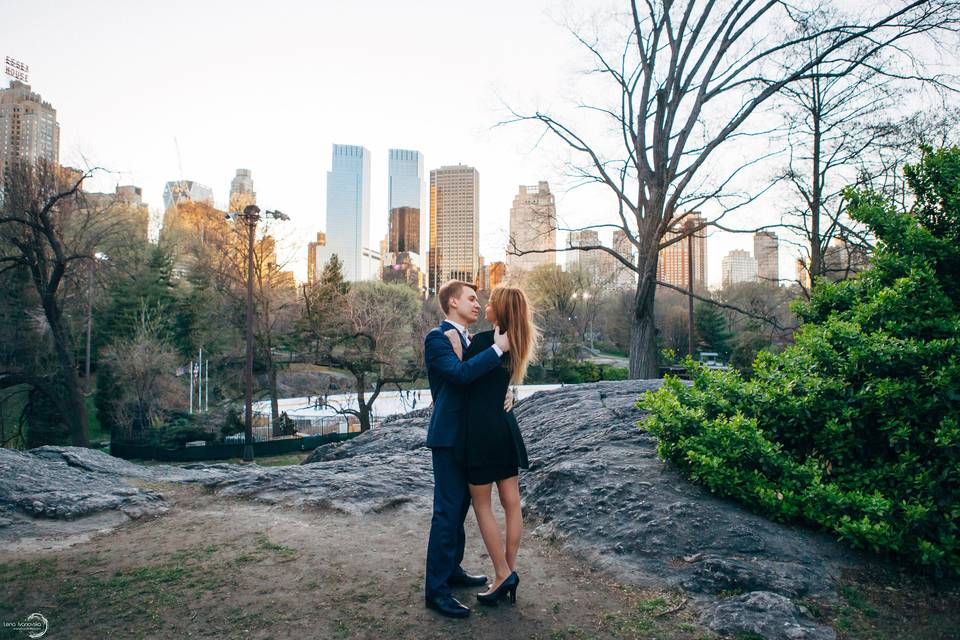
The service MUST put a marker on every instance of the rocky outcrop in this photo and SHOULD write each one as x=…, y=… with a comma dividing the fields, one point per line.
x=37, y=492
x=594, y=484
x=99, y=462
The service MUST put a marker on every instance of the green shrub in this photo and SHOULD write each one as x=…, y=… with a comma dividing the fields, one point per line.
x=855, y=427
x=608, y=372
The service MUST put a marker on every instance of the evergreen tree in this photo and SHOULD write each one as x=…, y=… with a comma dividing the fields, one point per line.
x=712, y=329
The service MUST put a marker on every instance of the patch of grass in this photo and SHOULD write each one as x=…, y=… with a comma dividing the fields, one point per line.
x=265, y=544
x=40, y=568
x=653, y=606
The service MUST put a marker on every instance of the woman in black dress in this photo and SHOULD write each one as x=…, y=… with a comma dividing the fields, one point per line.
x=489, y=444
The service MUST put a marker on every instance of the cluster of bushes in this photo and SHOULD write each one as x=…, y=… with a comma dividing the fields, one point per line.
x=855, y=427
x=575, y=373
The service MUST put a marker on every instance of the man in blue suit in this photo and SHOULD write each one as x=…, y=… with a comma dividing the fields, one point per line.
x=449, y=378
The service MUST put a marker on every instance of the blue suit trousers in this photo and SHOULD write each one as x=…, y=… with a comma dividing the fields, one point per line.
x=451, y=500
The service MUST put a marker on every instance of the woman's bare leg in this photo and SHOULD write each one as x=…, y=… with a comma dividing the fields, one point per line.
x=509, y=491
x=480, y=497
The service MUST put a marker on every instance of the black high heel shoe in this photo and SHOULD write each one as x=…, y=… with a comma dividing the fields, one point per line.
x=507, y=587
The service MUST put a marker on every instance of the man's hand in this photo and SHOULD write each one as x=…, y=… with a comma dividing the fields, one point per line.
x=501, y=340
x=508, y=401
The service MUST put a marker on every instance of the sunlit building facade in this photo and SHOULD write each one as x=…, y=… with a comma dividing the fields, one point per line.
x=454, y=251
x=29, y=130
x=673, y=262
x=533, y=227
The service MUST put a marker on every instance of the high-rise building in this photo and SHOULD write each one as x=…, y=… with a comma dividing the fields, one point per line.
x=348, y=214
x=673, y=260
x=29, y=130
x=405, y=189
x=842, y=260
x=312, y=273
x=454, y=251
x=624, y=277
x=599, y=265
x=126, y=206
x=241, y=191
x=767, y=252
x=180, y=191
x=583, y=259
x=496, y=274
x=404, y=228
x=533, y=227
x=738, y=266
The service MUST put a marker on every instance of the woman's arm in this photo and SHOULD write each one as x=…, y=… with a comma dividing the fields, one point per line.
x=441, y=359
x=454, y=336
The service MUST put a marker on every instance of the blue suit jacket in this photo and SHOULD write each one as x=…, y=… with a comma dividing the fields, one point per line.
x=449, y=378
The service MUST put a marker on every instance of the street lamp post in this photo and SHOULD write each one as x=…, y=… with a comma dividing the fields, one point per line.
x=250, y=217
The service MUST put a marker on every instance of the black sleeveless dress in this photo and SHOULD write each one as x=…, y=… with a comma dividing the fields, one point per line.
x=489, y=445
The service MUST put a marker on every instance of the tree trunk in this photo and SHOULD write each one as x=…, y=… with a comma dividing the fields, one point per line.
x=76, y=414
x=362, y=407
x=816, y=259
x=643, y=342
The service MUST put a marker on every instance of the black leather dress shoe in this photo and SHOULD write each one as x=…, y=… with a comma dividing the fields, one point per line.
x=449, y=606
x=467, y=580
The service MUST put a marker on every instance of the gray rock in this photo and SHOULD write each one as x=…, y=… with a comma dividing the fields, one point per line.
x=100, y=462
x=597, y=484
x=768, y=615
x=363, y=482
x=393, y=436
x=34, y=489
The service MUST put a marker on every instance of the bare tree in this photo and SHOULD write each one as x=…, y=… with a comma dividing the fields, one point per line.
x=847, y=129
x=47, y=232
x=689, y=76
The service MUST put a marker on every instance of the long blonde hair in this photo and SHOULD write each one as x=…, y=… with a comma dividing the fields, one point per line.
x=515, y=317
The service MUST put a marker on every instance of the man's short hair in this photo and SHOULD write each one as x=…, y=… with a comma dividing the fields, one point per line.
x=451, y=289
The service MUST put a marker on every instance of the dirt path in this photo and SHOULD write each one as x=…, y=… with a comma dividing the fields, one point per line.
x=216, y=567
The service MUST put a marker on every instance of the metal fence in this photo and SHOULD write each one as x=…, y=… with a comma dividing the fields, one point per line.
x=262, y=430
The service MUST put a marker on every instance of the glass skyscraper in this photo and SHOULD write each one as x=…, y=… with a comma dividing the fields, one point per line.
x=348, y=213
x=405, y=191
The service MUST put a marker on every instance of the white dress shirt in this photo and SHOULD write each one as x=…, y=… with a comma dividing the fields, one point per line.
x=466, y=338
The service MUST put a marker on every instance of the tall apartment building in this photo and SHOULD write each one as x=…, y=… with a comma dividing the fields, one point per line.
x=624, y=278
x=348, y=214
x=533, y=226
x=404, y=230
x=738, y=266
x=125, y=205
x=766, y=250
x=583, y=259
x=29, y=130
x=180, y=191
x=241, y=191
x=454, y=251
x=405, y=190
x=673, y=260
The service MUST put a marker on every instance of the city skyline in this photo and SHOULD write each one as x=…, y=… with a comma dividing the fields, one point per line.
x=200, y=125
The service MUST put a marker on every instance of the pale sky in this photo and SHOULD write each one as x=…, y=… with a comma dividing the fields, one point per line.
x=270, y=86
